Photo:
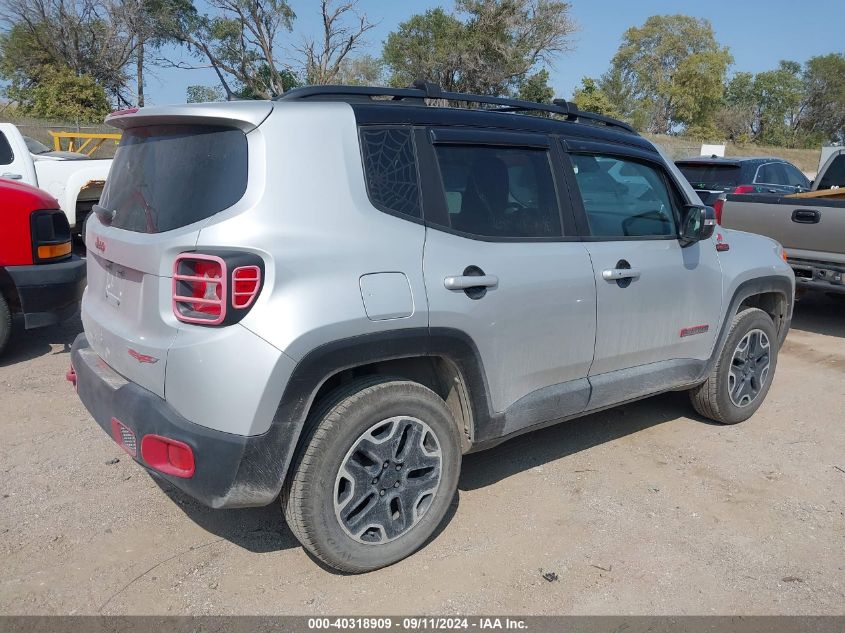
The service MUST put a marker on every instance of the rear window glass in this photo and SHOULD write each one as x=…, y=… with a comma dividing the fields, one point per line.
x=168, y=176
x=710, y=176
x=391, y=169
x=834, y=176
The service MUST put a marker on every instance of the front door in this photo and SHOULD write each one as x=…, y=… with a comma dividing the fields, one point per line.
x=658, y=303
x=502, y=264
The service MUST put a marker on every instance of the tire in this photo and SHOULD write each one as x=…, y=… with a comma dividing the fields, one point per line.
x=713, y=399
x=5, y=323
x=329, y=498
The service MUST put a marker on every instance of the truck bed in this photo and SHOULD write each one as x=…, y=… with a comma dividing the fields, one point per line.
x=812, y=231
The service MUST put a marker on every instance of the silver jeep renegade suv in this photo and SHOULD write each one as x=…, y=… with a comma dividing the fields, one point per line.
x=329, y=298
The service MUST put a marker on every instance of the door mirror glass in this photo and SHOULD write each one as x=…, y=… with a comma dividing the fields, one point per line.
x=699, y=224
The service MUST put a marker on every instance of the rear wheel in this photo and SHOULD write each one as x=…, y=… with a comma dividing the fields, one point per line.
x=743, y=373
x=5, y=323
x=377, y=472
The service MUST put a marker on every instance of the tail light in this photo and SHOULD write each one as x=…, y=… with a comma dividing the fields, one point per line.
x=745, y=189
x=50, y=233
x=718, y=205
x=215, y=288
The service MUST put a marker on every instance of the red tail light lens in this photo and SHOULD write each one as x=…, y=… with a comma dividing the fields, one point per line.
x=745, y=189
x=168, y=456
x=246, y=282
x=718, y=206
x=199, y=289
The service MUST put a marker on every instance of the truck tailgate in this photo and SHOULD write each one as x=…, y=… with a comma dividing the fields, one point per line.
x=807, y=229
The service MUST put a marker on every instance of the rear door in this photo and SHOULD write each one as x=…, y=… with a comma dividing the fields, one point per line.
x=166, y=179
x=658, y=303
x=503, y=265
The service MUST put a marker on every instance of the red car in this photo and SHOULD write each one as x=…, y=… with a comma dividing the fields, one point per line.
x=41, y=280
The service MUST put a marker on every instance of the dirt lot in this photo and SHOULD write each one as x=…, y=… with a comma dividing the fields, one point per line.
x=644, y=509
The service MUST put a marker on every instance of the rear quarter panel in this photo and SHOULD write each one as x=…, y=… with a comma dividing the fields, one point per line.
x=65, y=179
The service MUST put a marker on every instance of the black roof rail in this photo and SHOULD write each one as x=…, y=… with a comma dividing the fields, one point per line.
x=422, y=90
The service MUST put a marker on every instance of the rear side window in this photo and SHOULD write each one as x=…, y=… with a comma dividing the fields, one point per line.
x=499, y=191
x=168, y=176
x=624, y=197
x=771, y=174
x=6, y=153
x=834, y=176
x=390, y=167
x=710, y=176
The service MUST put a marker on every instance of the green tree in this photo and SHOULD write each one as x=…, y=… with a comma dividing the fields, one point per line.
x=666, y=72
x=204, y=94
x=536, y=88
x=485, y=46
x=62, y=94
x=590, y=98
x=824, y=98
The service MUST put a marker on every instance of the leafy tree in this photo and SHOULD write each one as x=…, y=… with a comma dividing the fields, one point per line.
x=485, y=46
x=241, y=41
x=536, y=88
x=590, y=98
x=666, y=72
x=61, y=94
x=86, y=36
x=364, y=70
x=824, y=98
x=204, y=94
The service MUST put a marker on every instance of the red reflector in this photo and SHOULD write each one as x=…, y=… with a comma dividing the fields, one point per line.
x=170, y=457
x=199, y=289
x=124, y=111
x=124, y=436
x=70, y=376
x=718, y=206
x=246, y=280
x=745, y=189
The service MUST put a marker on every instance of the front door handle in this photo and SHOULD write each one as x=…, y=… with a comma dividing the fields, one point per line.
x=806, y=216
x=462, y=282
x=615, y=274
x=11, y=176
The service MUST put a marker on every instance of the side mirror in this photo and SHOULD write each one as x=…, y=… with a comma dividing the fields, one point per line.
x=699, y=224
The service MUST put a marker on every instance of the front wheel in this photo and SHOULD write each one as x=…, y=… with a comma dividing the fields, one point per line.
x=376, y=474
x=743, y=373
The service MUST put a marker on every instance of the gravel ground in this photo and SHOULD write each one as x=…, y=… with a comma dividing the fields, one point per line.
x=644, y=509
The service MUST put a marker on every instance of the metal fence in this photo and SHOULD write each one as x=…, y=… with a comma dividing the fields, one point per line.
x=39, y=129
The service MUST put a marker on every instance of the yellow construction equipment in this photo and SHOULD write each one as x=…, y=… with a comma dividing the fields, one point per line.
x=82, y=142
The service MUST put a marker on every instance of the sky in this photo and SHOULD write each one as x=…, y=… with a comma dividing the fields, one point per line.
x=759, y=33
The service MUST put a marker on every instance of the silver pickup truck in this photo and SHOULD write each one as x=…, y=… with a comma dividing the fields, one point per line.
x=811, y=229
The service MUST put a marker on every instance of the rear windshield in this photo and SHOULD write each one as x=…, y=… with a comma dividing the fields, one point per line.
x=703, y=176
x=168, y=176
x=834, y=176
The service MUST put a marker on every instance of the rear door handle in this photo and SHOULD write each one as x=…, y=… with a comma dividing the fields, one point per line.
x=462, y=282
x=11, y=176
x=806, y=216
x=615, y=274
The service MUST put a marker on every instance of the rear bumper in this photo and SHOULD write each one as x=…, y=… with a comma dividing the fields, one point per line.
x=230, y=470
x=48, y=293
x=818, y=276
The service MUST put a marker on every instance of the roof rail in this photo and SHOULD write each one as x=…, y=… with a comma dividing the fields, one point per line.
x=422, y=90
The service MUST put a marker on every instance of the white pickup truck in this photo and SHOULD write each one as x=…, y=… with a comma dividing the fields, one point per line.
x=75, y=180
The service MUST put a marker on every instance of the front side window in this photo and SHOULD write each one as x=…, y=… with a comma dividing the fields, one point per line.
x=794, y=178
x=624, y=197
x=496, y=191
x=390, y=167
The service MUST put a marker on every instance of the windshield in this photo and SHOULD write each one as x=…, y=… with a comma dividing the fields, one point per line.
x=35, y=147
x=167, y=176
x=710, y=176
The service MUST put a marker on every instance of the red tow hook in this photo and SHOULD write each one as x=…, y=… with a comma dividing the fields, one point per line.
x=70, y=376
